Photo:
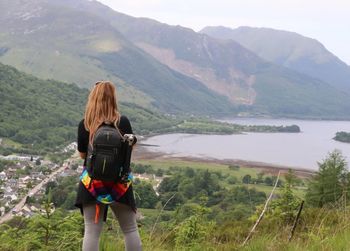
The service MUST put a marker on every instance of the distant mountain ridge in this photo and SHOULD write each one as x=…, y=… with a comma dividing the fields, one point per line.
x=53, y=41
x=289, y=49
x=168, y=67
x=226, y=67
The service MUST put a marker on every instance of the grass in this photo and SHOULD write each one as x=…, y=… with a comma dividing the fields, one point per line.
x=166, y=164
x=10, y=143
x=337, y=242
x=71, y=68
x=147, y=212
x=238, y=173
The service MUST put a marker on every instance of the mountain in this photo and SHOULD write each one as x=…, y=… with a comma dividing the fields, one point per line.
x=53, y=41
x=289, y=49
x=226, y=67
x=157, y=65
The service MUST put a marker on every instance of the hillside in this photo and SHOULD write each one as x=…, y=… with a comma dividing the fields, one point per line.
x=38, y=112
x=289, y=49
x=42, y=115
x=227, y=68
x=56, y=42
x=201, y=206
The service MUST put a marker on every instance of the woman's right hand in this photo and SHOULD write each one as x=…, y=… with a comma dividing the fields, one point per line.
x=82, y=155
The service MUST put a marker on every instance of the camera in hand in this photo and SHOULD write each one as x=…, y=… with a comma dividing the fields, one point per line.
x=130, y=138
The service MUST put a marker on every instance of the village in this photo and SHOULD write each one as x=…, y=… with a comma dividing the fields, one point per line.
x=23, y=180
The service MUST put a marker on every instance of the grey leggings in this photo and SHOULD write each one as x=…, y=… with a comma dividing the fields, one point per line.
x=127, y=221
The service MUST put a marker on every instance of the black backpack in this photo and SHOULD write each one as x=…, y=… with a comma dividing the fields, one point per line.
x=105, y=158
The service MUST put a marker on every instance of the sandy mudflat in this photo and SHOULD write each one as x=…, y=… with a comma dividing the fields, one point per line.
x=141, y=153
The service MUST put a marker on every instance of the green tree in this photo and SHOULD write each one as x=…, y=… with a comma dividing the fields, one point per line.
x=70, y=201
x=146, y=196
x=159, y=172
x=260, y=177
x=268, y=181
x=234, y=167
x=330, y=182
x=231, y=180
x=139, y=168
x=38, y=162
x=247, y=179
x=286, y=206
x=194, y=229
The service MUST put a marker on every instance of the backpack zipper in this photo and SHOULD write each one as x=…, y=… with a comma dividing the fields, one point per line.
x=104, y=165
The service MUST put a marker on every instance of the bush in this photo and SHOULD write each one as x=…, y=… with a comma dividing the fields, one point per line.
x=234, y=167
x=231, y=180
x=247, y=179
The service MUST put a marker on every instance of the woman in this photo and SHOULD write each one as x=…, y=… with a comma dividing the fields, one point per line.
x=101, y=109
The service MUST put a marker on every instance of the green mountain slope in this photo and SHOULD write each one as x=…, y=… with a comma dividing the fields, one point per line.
x=40, y=112
x=289, y=49
x=43, y=114
x=294, y=95
x=52, y=41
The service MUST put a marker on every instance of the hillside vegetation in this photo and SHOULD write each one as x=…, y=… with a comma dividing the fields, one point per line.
x=42, y=115
x=39, y=112
x=196, y=210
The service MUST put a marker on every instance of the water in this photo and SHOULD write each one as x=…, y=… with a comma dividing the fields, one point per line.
x=295, y=150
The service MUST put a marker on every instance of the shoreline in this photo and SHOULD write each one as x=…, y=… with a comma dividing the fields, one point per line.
x=141, y=153
x=306, y=118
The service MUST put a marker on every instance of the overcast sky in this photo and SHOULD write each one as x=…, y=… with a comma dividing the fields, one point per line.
x=325, y=20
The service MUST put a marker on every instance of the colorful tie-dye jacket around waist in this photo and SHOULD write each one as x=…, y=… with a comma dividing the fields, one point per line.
x=106, y=192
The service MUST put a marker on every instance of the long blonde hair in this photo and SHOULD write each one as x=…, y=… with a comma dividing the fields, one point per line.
x=101, y=107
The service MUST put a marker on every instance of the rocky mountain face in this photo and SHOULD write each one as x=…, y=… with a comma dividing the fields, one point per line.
x=289, y=49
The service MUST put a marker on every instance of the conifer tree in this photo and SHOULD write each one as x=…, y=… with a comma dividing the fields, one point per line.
x=330, y=182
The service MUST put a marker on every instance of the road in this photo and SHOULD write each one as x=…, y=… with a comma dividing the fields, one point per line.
x=20, y=205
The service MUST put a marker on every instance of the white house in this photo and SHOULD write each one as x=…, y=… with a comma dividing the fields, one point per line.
x=24, y=180
x=2, y=211
x=10, y=196
x=8, y=189
x=13, y=183
x=3, y=176
x=70, y=147
x=16, y=157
